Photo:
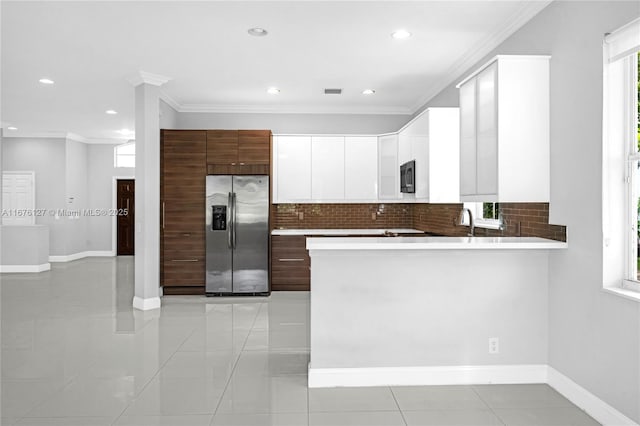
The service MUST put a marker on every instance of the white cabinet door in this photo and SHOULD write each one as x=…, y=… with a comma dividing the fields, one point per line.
x=327, y=168
x=468, y=138
x=388, y=170
x=292, y=169
x=404, y=146
x=487, y=132
x=361, y=168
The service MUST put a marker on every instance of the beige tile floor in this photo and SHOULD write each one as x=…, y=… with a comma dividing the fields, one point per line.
x=74, y=353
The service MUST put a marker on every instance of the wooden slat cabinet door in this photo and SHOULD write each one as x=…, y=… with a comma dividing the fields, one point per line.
x=222, y=147
x=254, y=146
x=183, y=178
x=290, y=263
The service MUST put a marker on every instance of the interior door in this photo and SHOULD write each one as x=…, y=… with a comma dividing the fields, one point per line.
x=126, y=217
x=251, y=239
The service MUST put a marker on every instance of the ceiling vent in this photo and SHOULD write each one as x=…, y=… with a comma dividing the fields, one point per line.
x=333, y=91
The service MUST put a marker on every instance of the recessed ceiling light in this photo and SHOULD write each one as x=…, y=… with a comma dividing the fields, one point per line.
x=273, y=90
x=46, y=81
x=368, y=92
x=400, y=34
x=111, y=112
x=12, y=128
x=257, y=32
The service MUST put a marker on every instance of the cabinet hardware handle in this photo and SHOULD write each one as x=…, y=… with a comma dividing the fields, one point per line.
x=186, y=234
x=233, y=164
x=291, y=260
x=242, y=164
x=184, y=260
x=163, y=215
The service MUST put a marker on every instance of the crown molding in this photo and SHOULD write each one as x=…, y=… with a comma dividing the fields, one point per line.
x=141, y=77
x=474, y=55
x=289, y=109
x=67, y=136
x=170, y=101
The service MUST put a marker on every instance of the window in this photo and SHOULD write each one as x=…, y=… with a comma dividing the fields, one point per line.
x=621, y=161
x=485, y=215
x=633, y=178
x=125, y=155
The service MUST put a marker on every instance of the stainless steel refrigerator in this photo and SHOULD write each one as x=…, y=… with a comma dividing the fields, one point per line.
x=237, y=230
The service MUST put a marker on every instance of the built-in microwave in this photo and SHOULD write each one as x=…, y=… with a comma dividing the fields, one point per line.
x=408, y=177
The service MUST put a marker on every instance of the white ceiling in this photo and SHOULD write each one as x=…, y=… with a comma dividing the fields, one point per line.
x=90, y=48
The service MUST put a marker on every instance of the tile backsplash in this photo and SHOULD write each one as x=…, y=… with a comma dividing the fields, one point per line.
x=520, y=219
x=346, y=216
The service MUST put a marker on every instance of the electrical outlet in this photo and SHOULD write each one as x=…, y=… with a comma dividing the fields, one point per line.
x=373, y=216
x=494, y=345
x=300, y=215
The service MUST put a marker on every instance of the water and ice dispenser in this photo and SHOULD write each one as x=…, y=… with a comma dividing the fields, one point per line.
x=219, y=218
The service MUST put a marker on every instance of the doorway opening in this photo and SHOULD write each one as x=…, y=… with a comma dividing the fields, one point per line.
x=125, y=217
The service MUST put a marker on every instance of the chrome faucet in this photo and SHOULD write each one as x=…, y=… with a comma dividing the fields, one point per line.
x=472, y=227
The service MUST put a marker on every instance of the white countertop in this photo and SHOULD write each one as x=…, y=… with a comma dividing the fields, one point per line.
x=344, y=231
x=432, y=243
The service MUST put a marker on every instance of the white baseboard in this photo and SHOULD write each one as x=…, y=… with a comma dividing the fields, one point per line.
x=81, y=255
x=146, y=304
x=598, y=409
x=414, y=376
x=24, y=268
x=468, y=375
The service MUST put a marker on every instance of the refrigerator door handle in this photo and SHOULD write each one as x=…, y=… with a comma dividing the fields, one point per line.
x=234, y=220
x=230, y=222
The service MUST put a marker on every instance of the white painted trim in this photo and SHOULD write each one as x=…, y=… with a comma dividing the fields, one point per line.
x=290, y=109
x=483, y=48
x=63, y=135
x=496, y=58
x=6, y=269
x=114, y=206
x=146, y=304
x=141, y=77
x=169, y=100
x=598, y=409
x=424, y=376
x=81, y=255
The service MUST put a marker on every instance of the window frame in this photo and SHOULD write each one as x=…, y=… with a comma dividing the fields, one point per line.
x=477, y=209
x=621, y=177
x=117, y=155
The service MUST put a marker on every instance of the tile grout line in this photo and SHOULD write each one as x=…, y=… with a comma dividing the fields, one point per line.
x=235, y=364
x=152, y=377
x=398, y=405
x=473, y=388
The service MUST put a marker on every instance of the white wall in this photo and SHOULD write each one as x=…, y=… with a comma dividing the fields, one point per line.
x=46, y=157
x=76, y=196
x=295, y=123
x=100, y=184
x=168, y=116
x=594, y=337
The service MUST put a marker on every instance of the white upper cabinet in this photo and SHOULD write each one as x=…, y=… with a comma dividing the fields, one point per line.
x=327, y=168
x=388, y=168
x=504, y=140
x=291, y=169
x=432, y=139
x=361, y=168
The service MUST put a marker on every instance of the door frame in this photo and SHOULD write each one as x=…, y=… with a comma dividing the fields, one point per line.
x=114, y=218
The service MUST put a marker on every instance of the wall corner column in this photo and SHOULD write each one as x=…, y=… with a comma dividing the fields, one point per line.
x=147, y=194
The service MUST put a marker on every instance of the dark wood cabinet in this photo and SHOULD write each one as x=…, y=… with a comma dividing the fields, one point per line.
x=290, y=263
x=183, y=164
x=238, y=151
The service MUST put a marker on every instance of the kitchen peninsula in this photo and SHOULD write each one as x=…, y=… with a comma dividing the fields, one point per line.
x=428, y=310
